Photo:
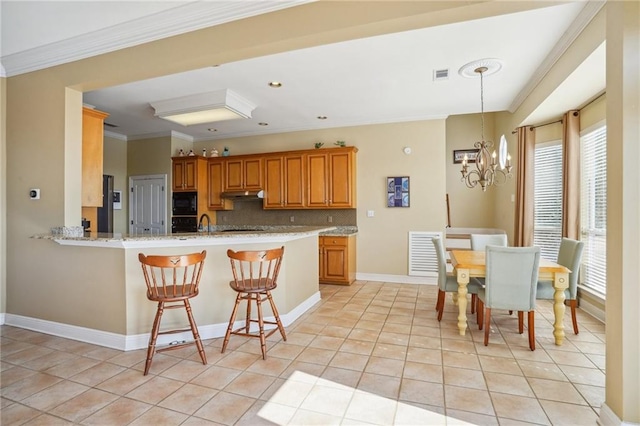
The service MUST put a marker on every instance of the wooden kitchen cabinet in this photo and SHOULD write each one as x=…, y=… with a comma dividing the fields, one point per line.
x=189, y=173
x=331, y=178
x=337, y=259
x=284, y=182
x=92, y=155
x=243, y=173
x=216, y=186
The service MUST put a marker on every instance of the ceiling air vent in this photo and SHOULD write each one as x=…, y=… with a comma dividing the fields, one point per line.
x=110, y=125
x=440, y=74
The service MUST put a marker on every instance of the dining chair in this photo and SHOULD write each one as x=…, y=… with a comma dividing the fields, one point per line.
x=171, y=281
x=448, y=283
x=510, y=284
x=255, y=275
x=480, y=241
x=569, y=255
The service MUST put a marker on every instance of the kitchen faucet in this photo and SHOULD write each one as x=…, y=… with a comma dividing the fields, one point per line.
x=208, y=221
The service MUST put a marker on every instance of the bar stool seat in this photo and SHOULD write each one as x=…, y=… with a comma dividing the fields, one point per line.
x=255, y=275
x=171, y=282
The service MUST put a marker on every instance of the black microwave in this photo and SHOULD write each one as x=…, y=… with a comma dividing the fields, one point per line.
x=185, y=203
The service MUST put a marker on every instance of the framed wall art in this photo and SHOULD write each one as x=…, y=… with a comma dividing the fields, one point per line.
x=398, y=191
x=458, y=155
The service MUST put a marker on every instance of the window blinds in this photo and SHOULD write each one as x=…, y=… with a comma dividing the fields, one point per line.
x=547, y=228
x=593, y=208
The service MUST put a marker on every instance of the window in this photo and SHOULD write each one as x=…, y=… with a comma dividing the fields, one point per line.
x=593, y=207
x=547, y=226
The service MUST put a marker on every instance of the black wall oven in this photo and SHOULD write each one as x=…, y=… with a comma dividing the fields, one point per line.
x=185, y=204
x=181, y=224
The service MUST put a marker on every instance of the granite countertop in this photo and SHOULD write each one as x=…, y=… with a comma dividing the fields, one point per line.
x=216, y=231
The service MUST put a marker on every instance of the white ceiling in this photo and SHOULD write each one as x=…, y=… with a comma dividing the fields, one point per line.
x=375, y=80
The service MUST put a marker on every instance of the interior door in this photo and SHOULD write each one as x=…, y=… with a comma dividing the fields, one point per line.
x=148, y=205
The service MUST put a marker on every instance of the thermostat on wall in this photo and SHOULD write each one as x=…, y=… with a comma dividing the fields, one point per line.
x=117, y=196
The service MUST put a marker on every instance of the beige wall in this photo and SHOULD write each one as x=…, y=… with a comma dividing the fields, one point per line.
x=462, y=132
x=115, y=163
x=382, y=239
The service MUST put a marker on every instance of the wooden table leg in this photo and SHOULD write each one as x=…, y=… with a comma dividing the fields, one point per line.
x=463, y=280
x=560, y=284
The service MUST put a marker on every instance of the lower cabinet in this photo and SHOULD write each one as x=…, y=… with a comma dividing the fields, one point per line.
x=337, y=259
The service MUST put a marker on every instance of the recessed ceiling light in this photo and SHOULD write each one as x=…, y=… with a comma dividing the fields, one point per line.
x=275, y=84
x=322, y=117
x=263, y=124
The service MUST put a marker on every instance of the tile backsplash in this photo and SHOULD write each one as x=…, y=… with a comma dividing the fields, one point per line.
x=250, y=212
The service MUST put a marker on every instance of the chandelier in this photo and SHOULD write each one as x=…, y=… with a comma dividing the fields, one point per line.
x=490, y=168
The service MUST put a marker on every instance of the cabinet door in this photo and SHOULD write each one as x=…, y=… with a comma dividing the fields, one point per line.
x=215, y=186
x=274, y=183
x=340, y=180
x=178, y=175
x=252, y=173
x=317, y=182
x=190, y=169
x=233, y=175
x=294, y=181
x=92, y=154
x=335, y=259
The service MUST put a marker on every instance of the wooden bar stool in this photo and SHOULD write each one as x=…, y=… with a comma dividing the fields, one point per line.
x=172, y=281
x=255, y=274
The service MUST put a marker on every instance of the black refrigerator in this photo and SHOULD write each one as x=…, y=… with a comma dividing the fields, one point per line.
x=105, y=213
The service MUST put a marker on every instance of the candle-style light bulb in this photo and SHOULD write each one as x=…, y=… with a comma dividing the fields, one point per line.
x=493, y=157
x=508, y=159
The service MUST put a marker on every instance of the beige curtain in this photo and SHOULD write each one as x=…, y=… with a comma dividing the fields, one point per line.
x=571, y=175
x=523, y=235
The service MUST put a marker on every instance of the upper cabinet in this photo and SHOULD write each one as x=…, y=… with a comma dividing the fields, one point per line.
x=243, y=173
x=189, y=173
x=284, y=181
x=92, y=154
x=216, y=186
x=331, y=178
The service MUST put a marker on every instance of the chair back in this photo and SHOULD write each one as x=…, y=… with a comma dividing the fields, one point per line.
x=442, y=263
x=172, y=278
x=570, y=255
x=255, y=271
x=511, y=277
x=480, y=241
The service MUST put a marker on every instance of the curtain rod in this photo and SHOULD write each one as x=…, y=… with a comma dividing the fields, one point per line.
x=513, y=132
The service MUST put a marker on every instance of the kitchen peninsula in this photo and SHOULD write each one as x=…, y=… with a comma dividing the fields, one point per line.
x=97, y=291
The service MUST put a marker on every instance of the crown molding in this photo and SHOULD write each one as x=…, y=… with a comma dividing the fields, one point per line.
x=113, y=135
x=583, y=19
x=182, y=19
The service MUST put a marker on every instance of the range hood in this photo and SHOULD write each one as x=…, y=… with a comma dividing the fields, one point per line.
x=243, y=194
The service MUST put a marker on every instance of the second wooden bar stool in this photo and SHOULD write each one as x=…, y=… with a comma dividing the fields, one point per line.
x=255, y=274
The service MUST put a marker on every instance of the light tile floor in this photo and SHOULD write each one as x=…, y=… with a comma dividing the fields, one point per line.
x=371, y=353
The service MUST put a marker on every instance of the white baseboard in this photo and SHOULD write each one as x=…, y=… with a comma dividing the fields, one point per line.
x=139, y=341
x=609, y=418
x=592, y=310
x=402, y=279
x=2, y=318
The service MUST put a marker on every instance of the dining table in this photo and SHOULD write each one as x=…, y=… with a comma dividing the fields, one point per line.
x=469, y=264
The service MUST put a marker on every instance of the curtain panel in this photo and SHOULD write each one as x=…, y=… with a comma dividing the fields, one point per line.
x=571, y=175
x=523, y=232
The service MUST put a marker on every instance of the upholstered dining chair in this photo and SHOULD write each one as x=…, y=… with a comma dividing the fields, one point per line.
x=510, y=284
x=171, y=282
x=255, y=275
x=448, y=283
x=569, y=255
x=480, y=241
